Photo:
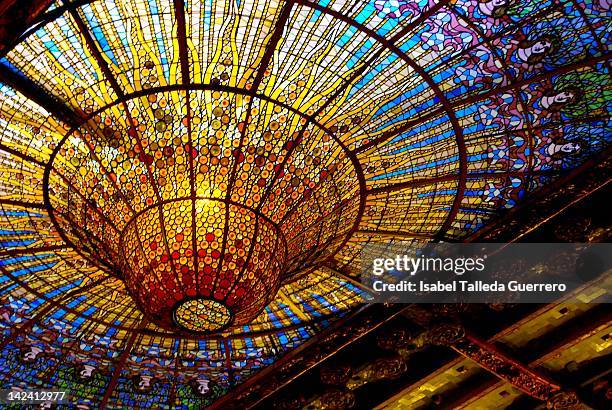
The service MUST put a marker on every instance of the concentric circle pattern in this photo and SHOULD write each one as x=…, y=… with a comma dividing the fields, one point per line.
x=202, y=315
x=240, y=153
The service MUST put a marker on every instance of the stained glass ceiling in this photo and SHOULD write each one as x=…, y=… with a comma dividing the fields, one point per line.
x=186, y=185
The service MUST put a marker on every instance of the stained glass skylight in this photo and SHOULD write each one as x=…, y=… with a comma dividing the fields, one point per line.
x=186, y=185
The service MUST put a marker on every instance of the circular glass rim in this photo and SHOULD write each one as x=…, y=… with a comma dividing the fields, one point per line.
x=181, y=323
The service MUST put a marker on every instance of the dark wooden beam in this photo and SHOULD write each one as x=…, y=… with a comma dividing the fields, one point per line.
x=16, y=16
x=534, y=354
x=40, y=96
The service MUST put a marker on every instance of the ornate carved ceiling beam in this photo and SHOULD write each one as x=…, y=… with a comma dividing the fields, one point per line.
x=306, y=357
x=535, y=354
x=502, y=365
x=360, y=350
x=409, y=350
x=517, y=368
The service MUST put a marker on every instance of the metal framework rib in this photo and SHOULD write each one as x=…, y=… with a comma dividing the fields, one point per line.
x=228, y=362
x=103, y=265
x=175, y=373
x=92, y=205
x=415, y=183
x=40, y=96
x=263, y=65
x=458, y=131
x=119, y=365
x=31, y=251
x=24, y=204
x=51, y=304
x=108, y=75
x=21, y=155
x=179, y=12
x=401, y=234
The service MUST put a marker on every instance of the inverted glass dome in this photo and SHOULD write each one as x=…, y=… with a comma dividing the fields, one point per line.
x=187, y=185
